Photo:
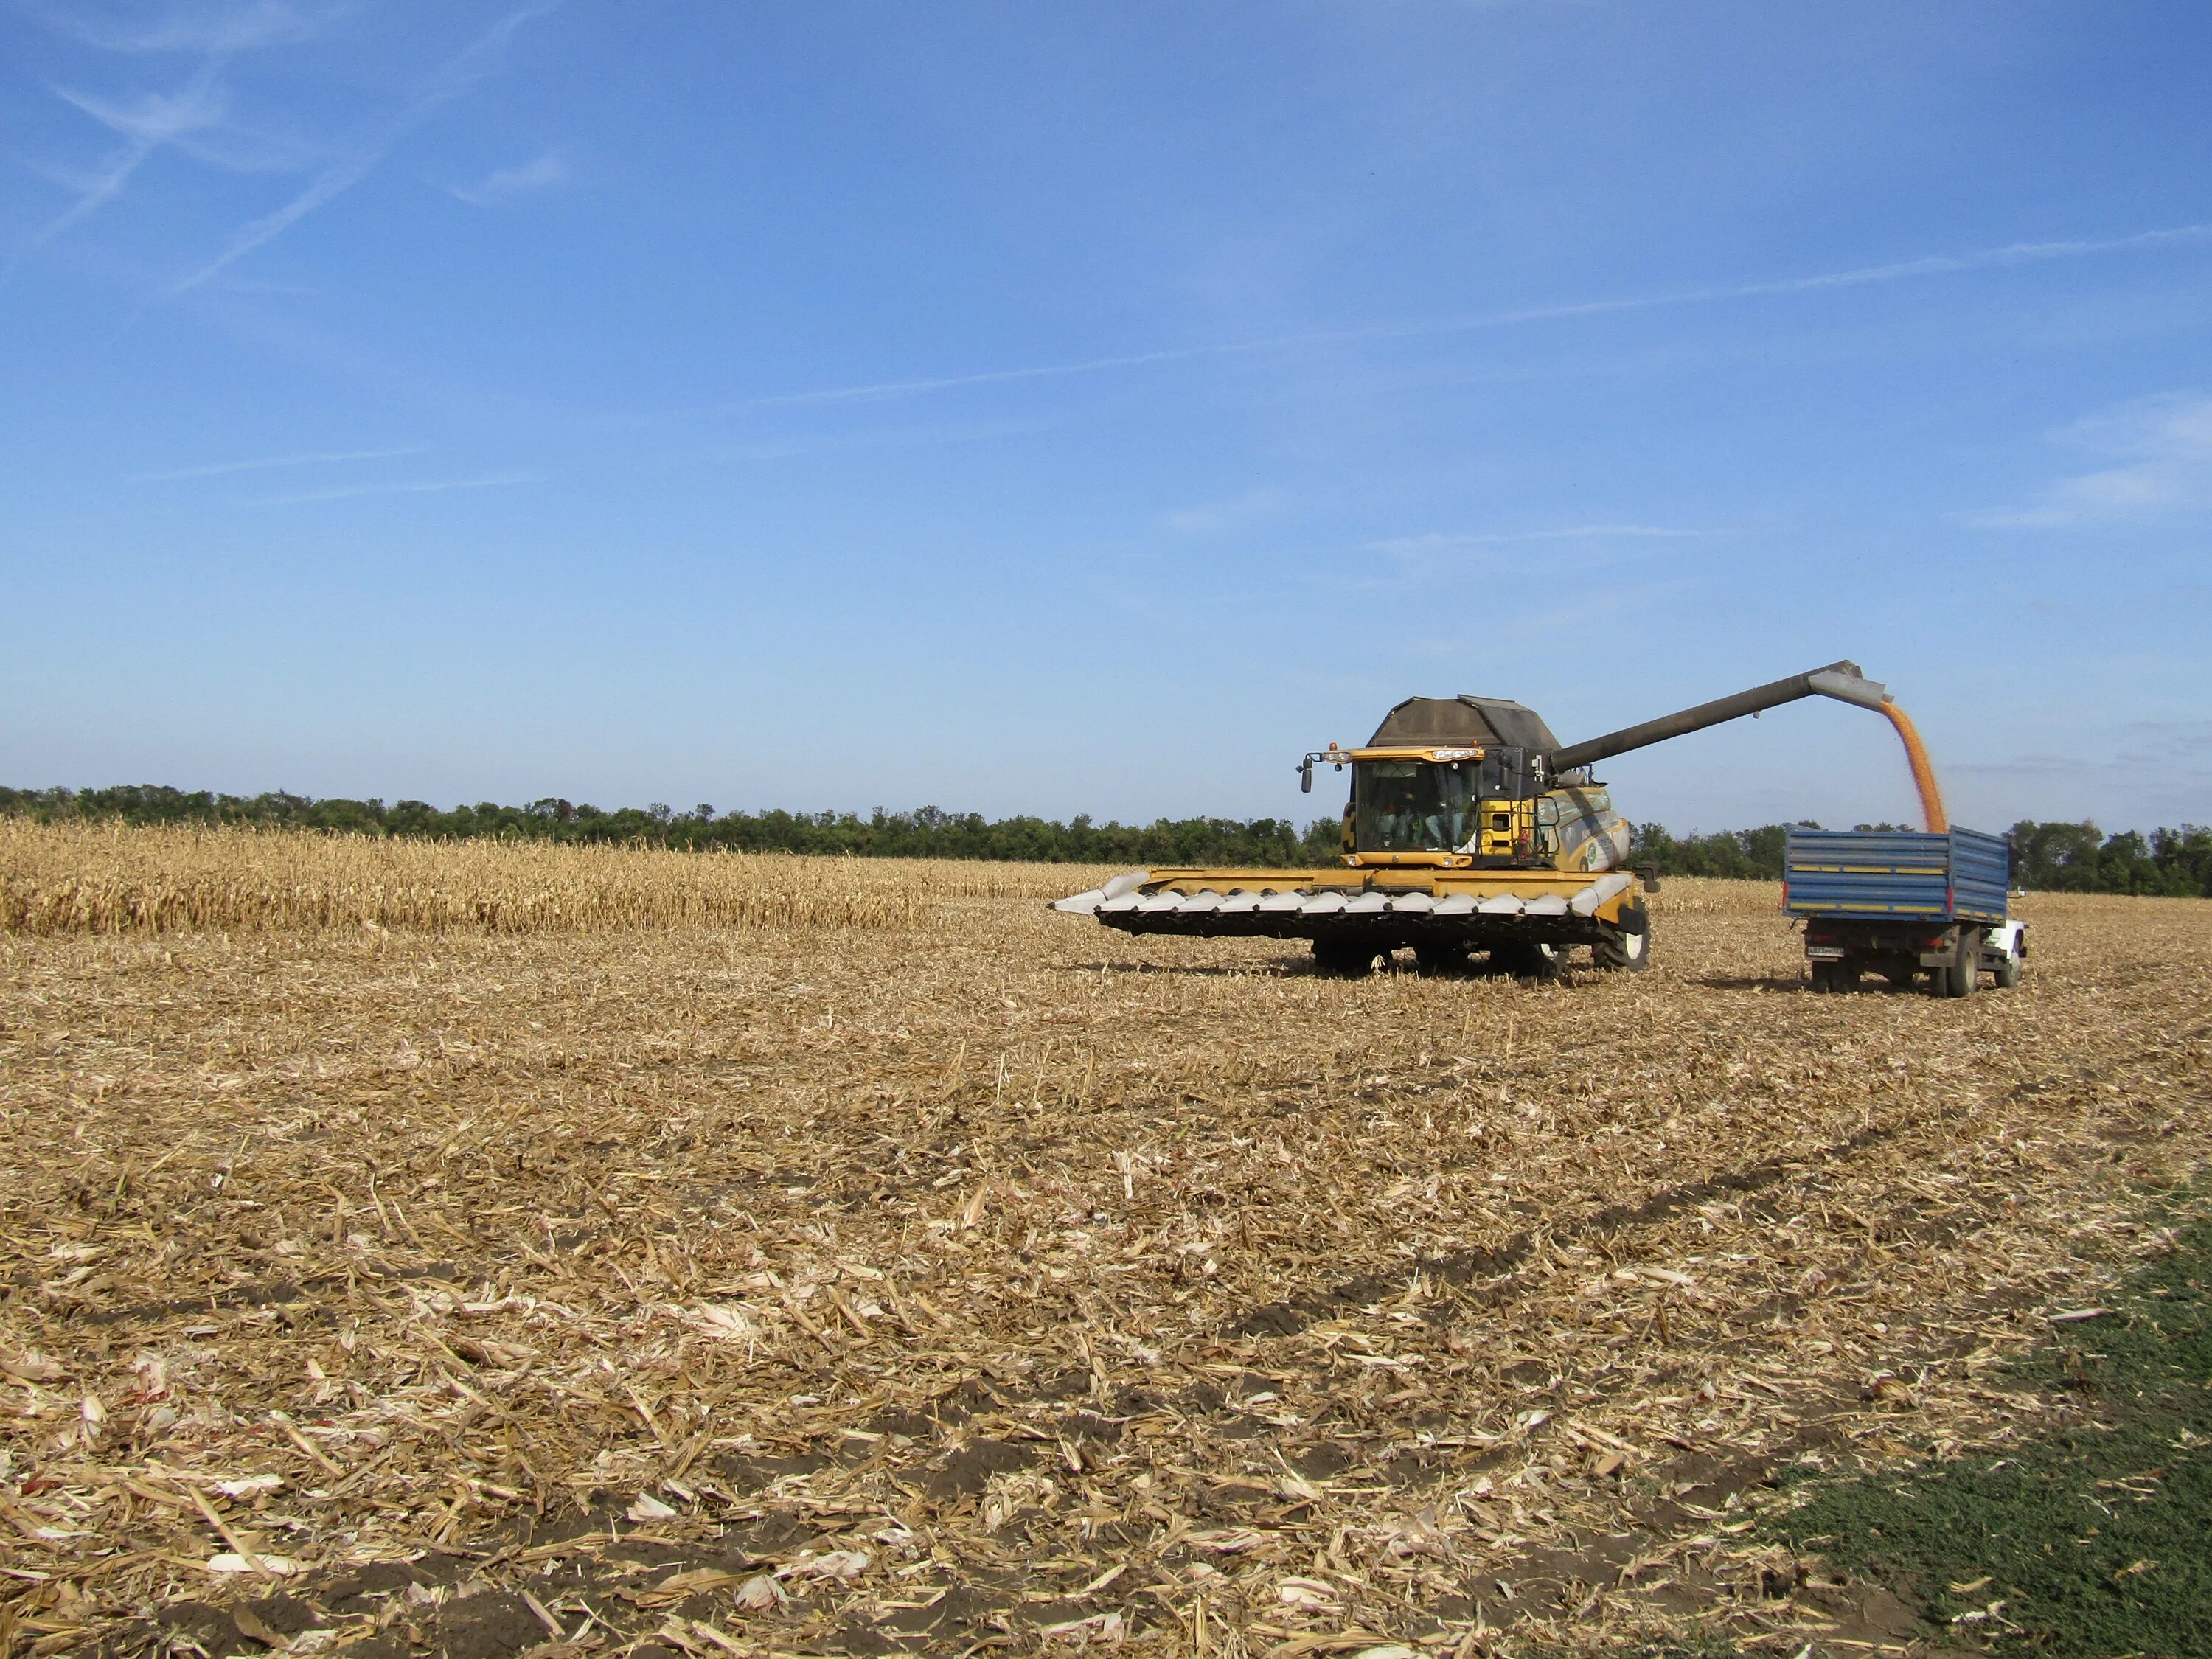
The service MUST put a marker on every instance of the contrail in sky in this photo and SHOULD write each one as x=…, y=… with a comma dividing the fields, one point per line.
x=1940, y=265
x=456, y=76
x=219, y=469
x=420, y=487
x=159, y=121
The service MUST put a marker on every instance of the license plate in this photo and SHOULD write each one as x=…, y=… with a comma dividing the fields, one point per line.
x=1824, y=953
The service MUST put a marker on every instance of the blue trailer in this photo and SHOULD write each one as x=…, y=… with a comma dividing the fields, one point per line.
x=1902, y=902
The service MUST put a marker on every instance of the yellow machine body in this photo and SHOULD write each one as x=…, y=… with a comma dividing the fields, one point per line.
x=1470, y=827
x=1569, y=828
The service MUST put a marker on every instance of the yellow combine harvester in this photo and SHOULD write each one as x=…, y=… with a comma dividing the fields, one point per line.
x=1470, y=828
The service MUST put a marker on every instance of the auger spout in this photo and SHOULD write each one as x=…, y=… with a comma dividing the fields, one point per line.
x=1840, y=680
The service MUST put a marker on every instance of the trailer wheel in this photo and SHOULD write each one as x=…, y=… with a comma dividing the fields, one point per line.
x=1835, y=978
x=1964, y=977
x=1343, y=958
x=1630, y=948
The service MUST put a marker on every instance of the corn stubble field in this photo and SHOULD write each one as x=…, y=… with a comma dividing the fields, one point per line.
x=482, y=1249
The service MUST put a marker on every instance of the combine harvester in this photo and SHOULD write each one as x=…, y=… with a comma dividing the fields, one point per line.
x=1470, y=828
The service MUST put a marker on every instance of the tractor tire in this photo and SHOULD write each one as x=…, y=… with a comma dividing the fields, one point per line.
x=1343, y=958
x=1627, y=950
x=2008, y=971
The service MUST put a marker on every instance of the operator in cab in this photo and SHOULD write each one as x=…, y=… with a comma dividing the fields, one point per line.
x=1416, y=806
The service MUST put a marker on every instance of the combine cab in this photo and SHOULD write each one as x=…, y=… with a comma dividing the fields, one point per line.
x=1471, y=828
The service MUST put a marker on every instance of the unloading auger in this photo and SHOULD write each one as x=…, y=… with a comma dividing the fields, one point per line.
x=1470, y=828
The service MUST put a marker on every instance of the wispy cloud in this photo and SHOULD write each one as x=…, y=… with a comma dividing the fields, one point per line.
x=1445, y=542
x=2162, y=451
x=154, y=118
x=1399, y=564
x=267, y=462
x=880, y=390
x=218, y=28
x=205, y=133
x=193, y=120
x=464, y=71
x=412, y=487
x=155, y=121
x=2161, y=749
x=1209, y=517
x=504, y=185
x=1931, y=265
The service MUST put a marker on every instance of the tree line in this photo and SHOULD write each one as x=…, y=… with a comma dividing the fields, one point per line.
x=925, y=832
x=2061, y=857
x=2066, y=858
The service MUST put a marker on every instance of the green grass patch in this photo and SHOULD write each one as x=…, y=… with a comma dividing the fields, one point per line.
x=2096, y=1538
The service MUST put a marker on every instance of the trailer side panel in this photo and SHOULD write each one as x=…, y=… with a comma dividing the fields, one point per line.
x=1896, y=875
x=1981, y=875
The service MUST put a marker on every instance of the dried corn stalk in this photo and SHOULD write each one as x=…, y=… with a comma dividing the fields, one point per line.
x=968, y=1275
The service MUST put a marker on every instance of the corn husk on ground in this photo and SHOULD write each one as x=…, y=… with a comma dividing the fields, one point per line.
x=939, y=1272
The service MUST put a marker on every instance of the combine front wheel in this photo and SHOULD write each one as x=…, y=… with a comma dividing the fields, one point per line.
x=1343, y=959
x=1441, y=958
x=1628, y=946
x=1525, y=960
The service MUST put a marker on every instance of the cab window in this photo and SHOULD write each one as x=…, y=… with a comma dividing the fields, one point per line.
x=1416, y=806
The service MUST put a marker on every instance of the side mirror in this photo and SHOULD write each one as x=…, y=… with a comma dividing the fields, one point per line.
x=1305, y=776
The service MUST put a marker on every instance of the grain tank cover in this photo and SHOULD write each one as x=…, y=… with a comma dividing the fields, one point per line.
x=1462, y=722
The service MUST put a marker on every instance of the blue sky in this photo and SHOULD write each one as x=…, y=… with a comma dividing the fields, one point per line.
x=1090, y=407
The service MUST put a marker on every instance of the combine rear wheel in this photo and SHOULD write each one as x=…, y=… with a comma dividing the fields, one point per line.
x=1441, y=958
x=1344, y=959
x=1629, y=946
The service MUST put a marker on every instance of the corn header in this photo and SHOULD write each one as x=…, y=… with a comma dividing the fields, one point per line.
x=1470, y=828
